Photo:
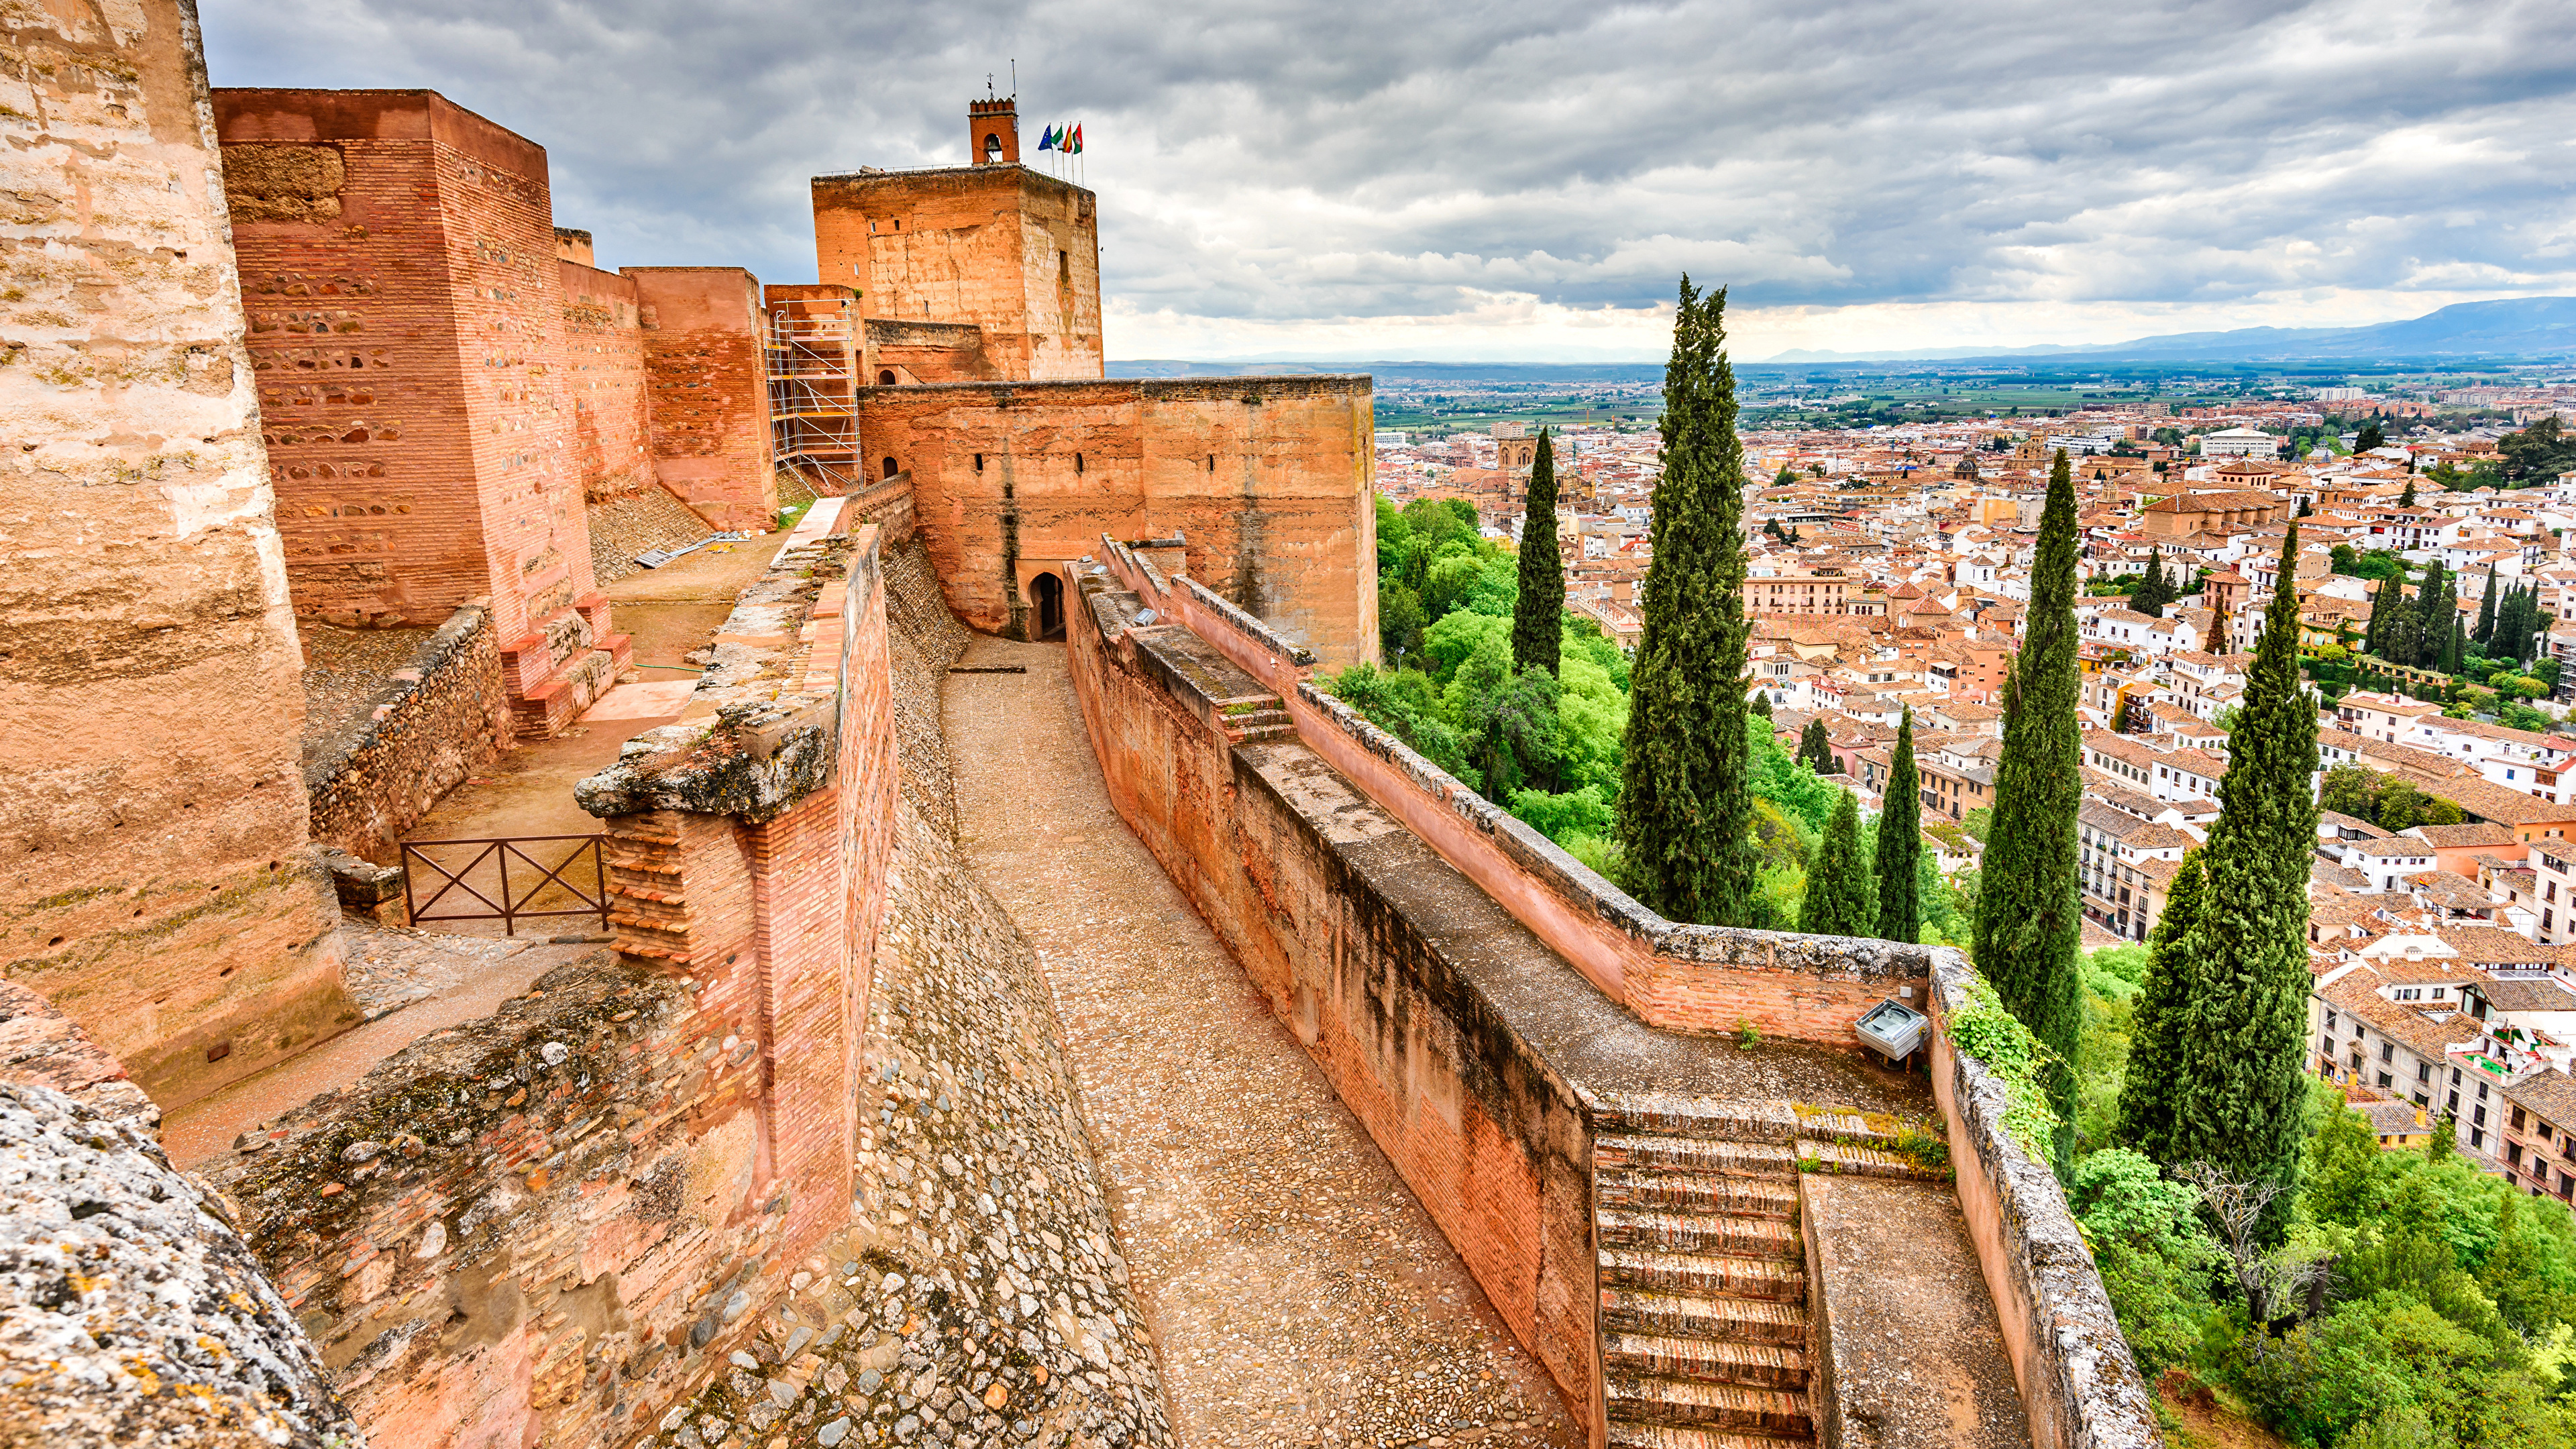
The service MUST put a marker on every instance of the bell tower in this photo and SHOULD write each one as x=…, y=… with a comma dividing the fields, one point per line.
x=993, y=131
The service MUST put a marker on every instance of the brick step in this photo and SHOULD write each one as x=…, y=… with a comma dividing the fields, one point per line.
x=1731, y=1119
x=1683, y=1436
x=1700, y=1233
x=1692, y=1192
x=1866, y=1129
x=1848, y=1160
x=1692, y=1154
x=1654, y=1400
x=1705, y=1360
x=1706, y=1274
x=1743, y=1320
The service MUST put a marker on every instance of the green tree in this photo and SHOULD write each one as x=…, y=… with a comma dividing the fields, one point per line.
x=2406, y=499
x=1900, y=843
x=2538, y=453
x=1538, y=626
x=2154, y=590
x=2245, y=956
x=2369, y=438
x=1816, y=747
x=1842, y=899
x=1506, y=720
x=1685, y=805
x=2487, y=611
x=1786, y=476
x=2029, y=917
x=2156, y=1023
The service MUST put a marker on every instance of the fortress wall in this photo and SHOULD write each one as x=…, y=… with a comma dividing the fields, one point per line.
x=604, y=381
x=407, y=315
x=1267, y=480
x=1705, y=979
x=156, y=887
x=1362, y=943
x=442, y=717
x=708, y=379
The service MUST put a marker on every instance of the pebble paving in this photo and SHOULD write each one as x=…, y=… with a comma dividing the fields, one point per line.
x=1295, y=1291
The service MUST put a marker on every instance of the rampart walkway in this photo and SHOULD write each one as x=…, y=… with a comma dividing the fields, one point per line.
x=1296, y=1291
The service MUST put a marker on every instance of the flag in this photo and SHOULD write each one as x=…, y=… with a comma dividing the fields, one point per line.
x=1046, y=138
x=1076, y=147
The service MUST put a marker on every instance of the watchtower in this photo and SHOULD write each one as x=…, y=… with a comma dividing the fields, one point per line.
x=993, y=131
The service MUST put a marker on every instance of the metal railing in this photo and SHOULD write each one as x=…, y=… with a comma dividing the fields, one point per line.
x=485, y=874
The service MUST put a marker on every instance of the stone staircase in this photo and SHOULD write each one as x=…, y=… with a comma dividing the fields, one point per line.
x=1703, y=1275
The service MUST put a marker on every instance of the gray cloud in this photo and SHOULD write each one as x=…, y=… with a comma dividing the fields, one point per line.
x=1281, y=162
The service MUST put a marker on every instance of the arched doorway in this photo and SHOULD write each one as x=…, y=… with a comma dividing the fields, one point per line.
x=1046, y=591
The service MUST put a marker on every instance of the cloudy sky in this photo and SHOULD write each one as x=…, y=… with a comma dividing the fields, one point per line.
x=1426, y=179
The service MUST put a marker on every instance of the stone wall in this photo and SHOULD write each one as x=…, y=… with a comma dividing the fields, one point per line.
x=1268, y=481
x=708, y=381
x=2078, y=1379
x=437, y=720
x=156, y=883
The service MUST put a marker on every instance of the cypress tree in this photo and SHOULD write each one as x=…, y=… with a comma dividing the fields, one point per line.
x=1816, y=747
x=2153, y=592
x=2153, y=1082
x=2407, y=498
x=2029, y=917
x=2487, y=610
x=2374, y=639
x=2241, y=1081
x=1841, y=900
x=1900, y=842
x=1538, y=616
x=1685, y=792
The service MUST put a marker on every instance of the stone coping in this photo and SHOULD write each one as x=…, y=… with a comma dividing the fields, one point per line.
x=762, y=729
x=2078, y=1379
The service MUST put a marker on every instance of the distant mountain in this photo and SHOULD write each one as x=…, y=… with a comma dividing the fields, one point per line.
x=2514, y=327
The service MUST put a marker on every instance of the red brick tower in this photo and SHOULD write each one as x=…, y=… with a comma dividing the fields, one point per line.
x=993, y=131
x=399, y=262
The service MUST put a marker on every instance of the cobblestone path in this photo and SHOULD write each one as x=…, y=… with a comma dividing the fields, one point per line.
x=1296, y=1292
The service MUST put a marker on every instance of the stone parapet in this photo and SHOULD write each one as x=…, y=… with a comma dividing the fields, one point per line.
x=2078, y=1380
x=438, y=719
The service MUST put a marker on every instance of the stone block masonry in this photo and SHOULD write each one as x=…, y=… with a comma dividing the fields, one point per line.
x=1010, y=251
x=1268, y=481
x=438, y=719
x=408, y=321
x=707, y=388
x=157, y=886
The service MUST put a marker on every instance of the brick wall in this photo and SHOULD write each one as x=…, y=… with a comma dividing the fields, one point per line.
x=708, y=384
x=604, y=380
x=443, y=716
x=1012, y=251
x=407, y=316
x=155, y=883
x=918, y=352
x=1268, y=480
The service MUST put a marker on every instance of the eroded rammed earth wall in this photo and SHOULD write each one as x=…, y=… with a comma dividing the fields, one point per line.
x=154, y=881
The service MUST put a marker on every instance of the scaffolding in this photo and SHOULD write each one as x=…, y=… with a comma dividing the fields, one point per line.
x=813, y=399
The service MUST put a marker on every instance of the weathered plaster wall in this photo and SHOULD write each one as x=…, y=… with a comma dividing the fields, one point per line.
x=918, y=352
x=709, y=391
x=1008, y=250
x=1268, y=480
x=604, y=382
x=439, y=719
x=156, y=884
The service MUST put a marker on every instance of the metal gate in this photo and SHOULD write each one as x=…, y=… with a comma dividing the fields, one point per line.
x=480, y=871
